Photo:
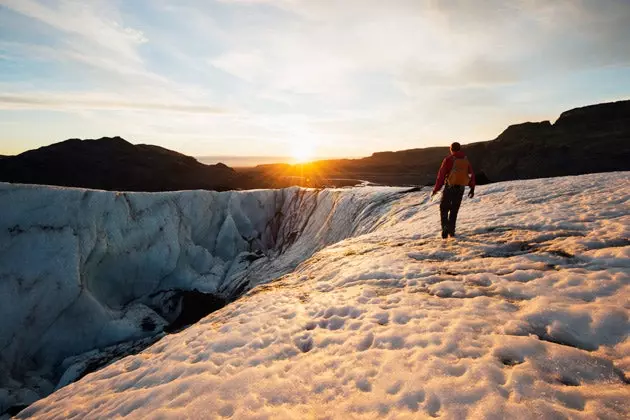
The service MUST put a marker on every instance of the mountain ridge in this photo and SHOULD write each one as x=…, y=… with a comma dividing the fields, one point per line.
x=588, y=139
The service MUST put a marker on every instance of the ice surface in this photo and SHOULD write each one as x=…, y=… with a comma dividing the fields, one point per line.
x=525, y=314
x=83, y=269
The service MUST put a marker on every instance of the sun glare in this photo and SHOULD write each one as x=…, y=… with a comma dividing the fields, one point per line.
x=302, y=152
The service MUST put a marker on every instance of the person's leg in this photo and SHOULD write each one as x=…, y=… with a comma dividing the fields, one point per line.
x=445, y=205
x=456, y=201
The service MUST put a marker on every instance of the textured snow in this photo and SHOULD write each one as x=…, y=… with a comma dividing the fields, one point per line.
x=525, y=314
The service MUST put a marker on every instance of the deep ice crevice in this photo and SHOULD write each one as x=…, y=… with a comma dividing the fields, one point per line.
x=83, y=269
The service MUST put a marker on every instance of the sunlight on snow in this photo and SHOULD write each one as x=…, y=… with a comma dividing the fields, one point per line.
x=524, y=315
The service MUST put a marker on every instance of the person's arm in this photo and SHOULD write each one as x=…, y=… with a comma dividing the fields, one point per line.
x=445, y=168
x=472, y=181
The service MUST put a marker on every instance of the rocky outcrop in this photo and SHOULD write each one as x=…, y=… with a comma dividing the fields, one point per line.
x=525, y=132
x=114, y=164
x=612, y=114
x=583, y=140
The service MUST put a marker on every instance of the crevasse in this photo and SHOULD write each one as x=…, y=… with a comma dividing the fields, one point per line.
x=83, y=269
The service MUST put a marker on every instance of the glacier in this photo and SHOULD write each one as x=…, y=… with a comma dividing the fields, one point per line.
x=349, y=305
x=82, y=270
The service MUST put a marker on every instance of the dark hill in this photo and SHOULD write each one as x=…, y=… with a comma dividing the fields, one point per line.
x=583, y=140
x=114, y=164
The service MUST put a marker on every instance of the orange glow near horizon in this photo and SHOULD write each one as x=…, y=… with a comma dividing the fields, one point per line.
x=308, y=174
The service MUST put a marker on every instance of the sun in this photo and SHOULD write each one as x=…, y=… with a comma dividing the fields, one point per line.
x=302, y=152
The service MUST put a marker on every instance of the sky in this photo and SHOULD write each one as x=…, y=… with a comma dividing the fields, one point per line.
x=317, y=78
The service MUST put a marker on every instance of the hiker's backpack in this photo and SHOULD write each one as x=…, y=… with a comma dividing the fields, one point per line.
x=459, y=173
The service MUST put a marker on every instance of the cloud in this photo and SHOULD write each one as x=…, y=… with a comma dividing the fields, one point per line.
x=67, y=101
x=245, y=65
x=422, y=43
x=109, y=66
x=93, y=24
x=100, y=58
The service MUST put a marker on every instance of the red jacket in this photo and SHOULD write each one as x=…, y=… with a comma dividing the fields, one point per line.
x=445, y=169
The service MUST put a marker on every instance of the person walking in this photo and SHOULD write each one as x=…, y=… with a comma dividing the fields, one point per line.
x=456, y=172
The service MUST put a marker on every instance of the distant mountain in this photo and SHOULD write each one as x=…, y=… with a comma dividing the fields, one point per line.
x=584, y=140
x=114, y=164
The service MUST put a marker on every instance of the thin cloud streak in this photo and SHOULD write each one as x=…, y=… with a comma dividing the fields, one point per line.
x=96, y=23
x=21, y=102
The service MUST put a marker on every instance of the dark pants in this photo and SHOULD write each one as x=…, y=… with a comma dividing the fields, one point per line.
x=449, y=206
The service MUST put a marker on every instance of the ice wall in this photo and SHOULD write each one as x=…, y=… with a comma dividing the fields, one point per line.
x=83, y=269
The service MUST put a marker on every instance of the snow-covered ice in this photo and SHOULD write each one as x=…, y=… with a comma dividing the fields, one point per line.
x=82, y=270
x=525, y=314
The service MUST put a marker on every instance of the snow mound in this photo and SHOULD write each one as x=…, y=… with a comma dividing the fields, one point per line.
x=526, y=314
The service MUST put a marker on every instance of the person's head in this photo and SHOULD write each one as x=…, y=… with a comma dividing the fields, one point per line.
x=455, y=147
